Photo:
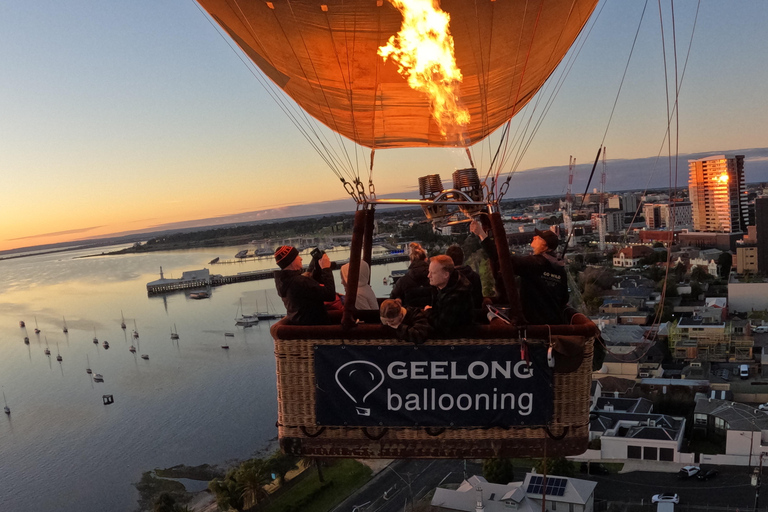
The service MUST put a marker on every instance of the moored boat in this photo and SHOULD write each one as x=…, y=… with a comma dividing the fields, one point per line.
x=105, y=344
x=97, y=377
x=22, y=324
x=144, y=356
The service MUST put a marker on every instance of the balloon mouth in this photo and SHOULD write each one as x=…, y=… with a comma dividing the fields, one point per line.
x=363, y=411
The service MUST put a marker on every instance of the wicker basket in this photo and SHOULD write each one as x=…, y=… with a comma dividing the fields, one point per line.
x=299, y=433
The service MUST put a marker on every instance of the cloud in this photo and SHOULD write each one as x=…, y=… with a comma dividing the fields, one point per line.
x=56, y=233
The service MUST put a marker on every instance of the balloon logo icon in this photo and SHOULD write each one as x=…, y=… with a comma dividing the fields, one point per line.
x=358, y=379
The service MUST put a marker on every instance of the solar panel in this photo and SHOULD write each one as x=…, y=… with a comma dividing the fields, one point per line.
x=555, y=486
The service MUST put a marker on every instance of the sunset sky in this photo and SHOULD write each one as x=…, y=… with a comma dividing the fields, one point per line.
x=119, y=116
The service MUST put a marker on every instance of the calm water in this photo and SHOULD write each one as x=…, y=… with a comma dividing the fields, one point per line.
x=191, y=403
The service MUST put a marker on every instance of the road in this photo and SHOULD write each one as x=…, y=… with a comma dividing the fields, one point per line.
x=405, y=481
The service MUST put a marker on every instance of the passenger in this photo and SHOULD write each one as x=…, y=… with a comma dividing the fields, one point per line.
x=413, y=288
x=452, y=314
x=366, y=299
x=543, y=280
x=303, y=296
x=410, y=324
x=457, y=255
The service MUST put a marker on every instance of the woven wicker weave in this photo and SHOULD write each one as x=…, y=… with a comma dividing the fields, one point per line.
x=299, y=433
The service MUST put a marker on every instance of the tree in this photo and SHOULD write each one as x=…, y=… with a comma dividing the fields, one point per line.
x=252, y=476
x=228, y=492
x=164, y=503
x=699, y=273
x=498, y=471
x=725, y=262
x=557, y=466
x=280, y=464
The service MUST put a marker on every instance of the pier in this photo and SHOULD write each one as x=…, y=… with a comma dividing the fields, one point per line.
x=203, y=279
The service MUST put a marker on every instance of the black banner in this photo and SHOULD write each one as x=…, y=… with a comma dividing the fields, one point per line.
x=408, y=385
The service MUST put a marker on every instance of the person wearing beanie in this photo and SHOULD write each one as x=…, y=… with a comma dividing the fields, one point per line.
x=543, y=279
x=303, y=296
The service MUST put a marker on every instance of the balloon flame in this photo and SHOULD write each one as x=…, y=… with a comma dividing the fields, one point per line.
x=423, y=51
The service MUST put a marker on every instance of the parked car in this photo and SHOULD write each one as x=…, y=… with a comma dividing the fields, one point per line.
x=763, y=407
x=744, y=371
x=706, y=475
x=760, y=328
x=594, y=468
x=666, y=497
x=688, y=471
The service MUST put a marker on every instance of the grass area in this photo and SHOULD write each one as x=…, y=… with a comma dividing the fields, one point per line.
x=310, y=495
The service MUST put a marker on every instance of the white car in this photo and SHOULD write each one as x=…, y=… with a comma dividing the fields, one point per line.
x=760, y=328
x=763, y=407
x=688, y=471
x=666, y=497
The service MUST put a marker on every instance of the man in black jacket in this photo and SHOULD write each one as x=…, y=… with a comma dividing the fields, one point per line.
x=451, y=313
x=303, y=296
x=543, y=279
x=456, y=253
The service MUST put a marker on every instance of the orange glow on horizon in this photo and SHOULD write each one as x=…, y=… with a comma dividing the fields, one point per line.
x=424, y=52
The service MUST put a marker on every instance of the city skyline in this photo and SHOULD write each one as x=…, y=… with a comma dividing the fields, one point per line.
x=120, y=118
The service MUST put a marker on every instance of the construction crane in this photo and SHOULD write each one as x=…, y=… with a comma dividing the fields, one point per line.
x=568, y=214
x=601, y=208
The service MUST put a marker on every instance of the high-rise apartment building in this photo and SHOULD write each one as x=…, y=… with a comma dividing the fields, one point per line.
x=761, y=232
x=717, y=191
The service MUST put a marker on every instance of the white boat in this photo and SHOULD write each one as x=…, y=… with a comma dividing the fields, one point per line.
x=6, y=408
x=174, y=333
x=246, y=320
x=122, y=320
x=132, y=349
x=269, y=314
x=97, y=377
x=144, y=356
x=105, y=344
x=88, y=365
x=64, y=329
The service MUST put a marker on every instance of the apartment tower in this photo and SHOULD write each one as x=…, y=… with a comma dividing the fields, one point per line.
x=717, y=191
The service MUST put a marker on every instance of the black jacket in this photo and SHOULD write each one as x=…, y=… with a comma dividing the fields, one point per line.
x=303, y=296
x=452, y=314
x=415, y=327
x=413, y=289
x=476, y=284
x=543, y=288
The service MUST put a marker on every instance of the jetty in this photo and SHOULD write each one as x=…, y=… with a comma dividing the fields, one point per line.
x=204, y=279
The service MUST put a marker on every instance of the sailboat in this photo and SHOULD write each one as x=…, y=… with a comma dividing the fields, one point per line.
x=132, y=349
x=246, y=320
x=135, y=331
x=269, y=314
x=6, y=408
x=37, y=331
x=65, y=326
x=95, y=339
x=58, y=354
x=174, y=333
x=22, y=324
x=88, y=365
x=122, y=320
x=47, y=351
x=226, y=344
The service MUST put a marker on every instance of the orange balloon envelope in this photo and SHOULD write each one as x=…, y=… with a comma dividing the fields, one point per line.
x=323, y=54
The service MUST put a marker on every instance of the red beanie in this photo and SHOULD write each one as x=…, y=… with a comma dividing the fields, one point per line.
x=284, y=255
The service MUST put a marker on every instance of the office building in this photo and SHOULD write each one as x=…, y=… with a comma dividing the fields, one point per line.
x=717, y=192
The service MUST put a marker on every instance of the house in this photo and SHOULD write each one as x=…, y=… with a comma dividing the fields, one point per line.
x=628, y=429
x=709, y=338
x=629, y=257
x=561, y=494
x=744, y=429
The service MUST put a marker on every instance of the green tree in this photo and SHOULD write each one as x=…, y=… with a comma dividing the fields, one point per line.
x=699, y=273
x=252, y=476
x=228, y=491
x=725, y=262
x=559, y=466
x=498, y=471
x=164, y=503
x=280, y=464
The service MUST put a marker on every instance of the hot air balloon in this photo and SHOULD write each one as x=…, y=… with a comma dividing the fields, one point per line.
x=359, y=68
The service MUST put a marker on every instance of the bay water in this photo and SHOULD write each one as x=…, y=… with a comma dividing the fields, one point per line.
x=191, y=402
